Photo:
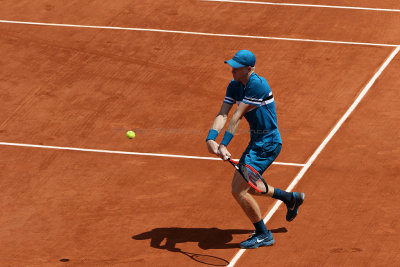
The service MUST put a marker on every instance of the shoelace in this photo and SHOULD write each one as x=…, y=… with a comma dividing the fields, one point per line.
x=252, y=234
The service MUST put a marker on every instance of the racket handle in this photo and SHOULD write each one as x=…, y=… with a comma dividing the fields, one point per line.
x=232, y=162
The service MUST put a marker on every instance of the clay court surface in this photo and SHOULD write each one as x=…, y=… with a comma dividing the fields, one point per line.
x=75, y=189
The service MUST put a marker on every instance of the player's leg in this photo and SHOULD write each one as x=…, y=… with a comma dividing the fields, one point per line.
x=240, y=192
x=261, y=159
x=292, y=200
x=285, y=197
x=261, y=236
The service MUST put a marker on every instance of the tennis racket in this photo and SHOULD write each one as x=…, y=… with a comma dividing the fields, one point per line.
x=252, y=177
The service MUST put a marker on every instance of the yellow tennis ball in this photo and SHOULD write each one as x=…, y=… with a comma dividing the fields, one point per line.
x=130, y=134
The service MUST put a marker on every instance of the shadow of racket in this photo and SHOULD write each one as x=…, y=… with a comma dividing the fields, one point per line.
x=205, y=259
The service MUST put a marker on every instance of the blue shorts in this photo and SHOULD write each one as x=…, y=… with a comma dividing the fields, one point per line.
x=260, y=157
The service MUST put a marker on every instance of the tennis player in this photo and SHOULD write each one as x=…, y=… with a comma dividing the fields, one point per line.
x=256, y=103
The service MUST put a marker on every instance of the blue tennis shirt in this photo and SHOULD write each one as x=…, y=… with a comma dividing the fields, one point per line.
x=262, y=120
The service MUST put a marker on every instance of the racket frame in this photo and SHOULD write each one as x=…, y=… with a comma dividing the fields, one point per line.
x=236, y=165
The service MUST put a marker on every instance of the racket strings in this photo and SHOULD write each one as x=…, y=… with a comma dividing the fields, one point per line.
x=253, y=178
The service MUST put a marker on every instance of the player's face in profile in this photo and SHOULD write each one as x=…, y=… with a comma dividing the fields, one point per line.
x=240, y=74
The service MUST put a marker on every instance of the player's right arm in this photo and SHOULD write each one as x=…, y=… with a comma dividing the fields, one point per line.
x=218, y=125
x=221, y=117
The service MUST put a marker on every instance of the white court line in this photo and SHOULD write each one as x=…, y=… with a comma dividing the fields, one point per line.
x=193, y=33
x=323, y=144
x=130, y=153
x=306, y=5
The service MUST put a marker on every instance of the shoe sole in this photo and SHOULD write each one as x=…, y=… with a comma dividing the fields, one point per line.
x=302, y=197
x=263, y=244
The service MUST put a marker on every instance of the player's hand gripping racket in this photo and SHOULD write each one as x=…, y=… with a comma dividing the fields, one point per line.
x=252, y=177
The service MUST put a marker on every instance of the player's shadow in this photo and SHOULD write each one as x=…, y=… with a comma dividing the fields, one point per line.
x=207, y=238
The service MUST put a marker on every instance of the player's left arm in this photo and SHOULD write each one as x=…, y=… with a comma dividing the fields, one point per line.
x=242, y=109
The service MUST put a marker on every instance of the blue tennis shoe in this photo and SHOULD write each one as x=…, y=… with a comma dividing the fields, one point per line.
x=258, y=240
x=293, y=207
